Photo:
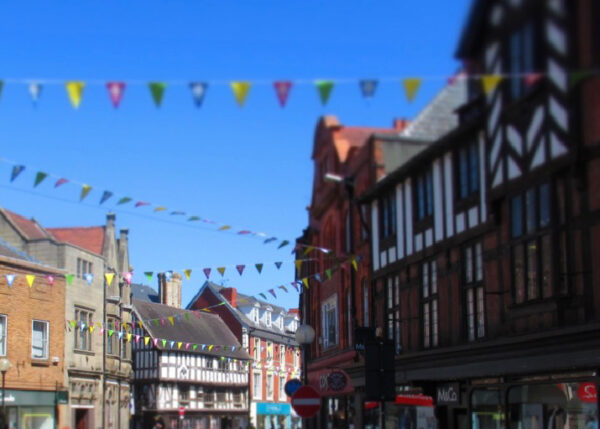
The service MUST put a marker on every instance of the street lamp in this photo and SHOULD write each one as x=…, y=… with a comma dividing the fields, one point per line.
x=305, y=335
x=5, y=365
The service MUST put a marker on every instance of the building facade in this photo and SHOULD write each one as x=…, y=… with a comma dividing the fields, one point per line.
x=192, y=373
x=32, y=338
x=266, y=331
x=97, y=367
x=487, y=287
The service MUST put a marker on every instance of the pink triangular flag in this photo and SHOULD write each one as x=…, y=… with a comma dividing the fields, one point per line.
x=206, y=272
x=115, y=92
x=128, y=277
x=272, y=292
x=532, y=78
x=60, y=181
x=282, y=88
x=50, y=279
x=240, y=268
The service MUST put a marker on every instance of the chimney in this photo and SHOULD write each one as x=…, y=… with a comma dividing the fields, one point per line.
x=230, y=294
x=109, y=247
x=169, y=289
x=124, y=251
x=400, y=123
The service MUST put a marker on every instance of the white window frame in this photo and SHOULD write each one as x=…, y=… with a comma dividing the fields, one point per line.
x=256, y=349
x=282, y=396
x=270, y=385
x=282, y=355
x=268, y=318
x=45, y=341
x=3, y=333
x=330, y=305
x=257, y=387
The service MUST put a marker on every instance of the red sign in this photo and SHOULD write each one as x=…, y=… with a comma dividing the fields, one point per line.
x=181, y=411
x=306, y=402
x=587, y=393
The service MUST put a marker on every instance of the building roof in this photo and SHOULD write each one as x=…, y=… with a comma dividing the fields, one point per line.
x=28, y=227
x=89, y=238
x=12, y=252
x=144, y=293
x=207, y=329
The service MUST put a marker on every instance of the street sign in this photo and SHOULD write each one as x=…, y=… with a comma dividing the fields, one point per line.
x=291, y=386
x=306, y=402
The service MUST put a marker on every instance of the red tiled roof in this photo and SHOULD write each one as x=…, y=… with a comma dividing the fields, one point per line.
x=28, y=227
x=348, y=137
x=90, y=238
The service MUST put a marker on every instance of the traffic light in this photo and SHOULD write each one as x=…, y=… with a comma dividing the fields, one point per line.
x=380, y=376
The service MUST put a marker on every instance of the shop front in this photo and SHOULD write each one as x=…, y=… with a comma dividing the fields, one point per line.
x=30, y=409
x=338, y=403
x=273, y=415
x=407, y=411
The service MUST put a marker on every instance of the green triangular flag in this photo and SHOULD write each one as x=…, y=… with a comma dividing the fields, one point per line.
x=324, y=87
x=149, y=275
x=69, y=278
x=259, y=267
x=123, y=200
x=194, y=347
x=156, y=322
x=39, y=178
x=187, y=316
x=164, y=343
x=157, y=89
x=283, y=243
x=110, y=332
x=263, y=295
x=578, y=76
x=328, y=273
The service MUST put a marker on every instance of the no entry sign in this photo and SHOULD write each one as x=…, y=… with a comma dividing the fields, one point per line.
x=306, y=401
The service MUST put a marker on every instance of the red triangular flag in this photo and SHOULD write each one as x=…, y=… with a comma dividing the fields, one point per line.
x=532, y=78
x=59, y=182
x=240, y=268
x=272, y=292
x=206, y=272
x=282, y=88
x=115, y=92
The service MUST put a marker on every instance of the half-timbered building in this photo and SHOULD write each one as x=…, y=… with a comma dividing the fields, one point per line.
x=487, y=284
x=189, y=369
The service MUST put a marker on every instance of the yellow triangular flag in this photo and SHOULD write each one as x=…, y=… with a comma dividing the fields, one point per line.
x=172, y=320
x=75, y=92
x=224, y=227
x=305, y=281
x=221, y=270
x=30, y=278
x=92, y=327
x=109, y=277
x=411, y=86
x=146, y=340
x=298, y=264
x=354, y=264
x=179, y=344
x=489, y=82
x=240, y=91
x=85, y=190
x=210, y=347
x=129, y=337
x=187, y=273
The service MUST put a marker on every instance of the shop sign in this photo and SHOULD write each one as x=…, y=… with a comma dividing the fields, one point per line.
x=273, y=408
x=587, y=393
x=336, y=381
x=448, y=394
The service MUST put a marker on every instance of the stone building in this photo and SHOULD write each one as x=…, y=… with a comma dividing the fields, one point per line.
x=97, y=366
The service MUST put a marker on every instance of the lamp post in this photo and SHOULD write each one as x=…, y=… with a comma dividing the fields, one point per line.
x=305, y=335
x=5, y=365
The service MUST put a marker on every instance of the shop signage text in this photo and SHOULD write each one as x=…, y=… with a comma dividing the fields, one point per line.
x=448, y=394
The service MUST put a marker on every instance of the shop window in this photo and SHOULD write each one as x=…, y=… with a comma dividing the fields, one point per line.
x=474, y=291
x=394, y=324
x=487, y=411
x=532, y=270
x=468, y=171
x=329, y=323
x=430, y=304
x=553, y=406
x=39, y=339
x=3, y=327
x=82, y=334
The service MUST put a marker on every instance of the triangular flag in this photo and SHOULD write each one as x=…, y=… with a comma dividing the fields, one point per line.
x=210, y=347
x=263, y=295
x=128, y=276
x=354, y=264
x=198, y=91
x=489, y=82
x=129, y=337
x=146, y=340
x=155, y=341
x=92, y=327
x=283, y=243
x=282, y=89
x=85, y=190
x=179, y=344
x=10, y=278
x=328, y=273
x=39, y=178
x=224, y=228
x=188, y=273
x=268, y=240
x=177, y=213
x=89, y=278
x=295, y=286
x=308, y=250
x=120, y=335
x=16, y=170
x=194, y=346
x=164, y=343
x=240, y=91
x=69, y=278
x=278, y=264
x=50, y=279
x=75, y=92
x=578, y=76
x=283, y=288
x=193, y=218
x=160, y=209
x=240, y=268
x=531, y=79
x=35, y=89
x=244, y=232
x=324, y=87
x=298, y=264
x=105, y=196
x=172, y=320
x=368, y=87
x=141, y=204
x=206, y=272
x=157, y=89
x=272, y=293
x=115, y=92
x=109, y=278
x=411, y=86
x=123, y=200
x=187, y=316
x=305, y=282
x=221, y=270
x=137, y=339
x=259, y=267
x=149, y=275
x=110, y=332
x=318, y=277
x=60, y=182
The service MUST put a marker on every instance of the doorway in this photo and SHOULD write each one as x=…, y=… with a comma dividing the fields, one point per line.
x=82, y=418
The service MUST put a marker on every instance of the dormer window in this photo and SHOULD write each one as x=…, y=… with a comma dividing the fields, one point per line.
x=255, y=315
x=268, y=318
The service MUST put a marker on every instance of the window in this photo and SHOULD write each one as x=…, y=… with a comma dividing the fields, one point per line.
x=394, y=326
x=255, y=315
x=39, y=339
x=282, y=381
x=329, y=323
x=282, y=355
x=474, y=291
x=521, y=58
x=112, y=346
x=269, y=386
x=424, y=195
x=388, y=215
x=269, y=350
x=257, y=349
x=257, y=392
x=468, y=171
x=531, y=249
x=83, y=336
x=3, y=326
x=83, y=267
x=430, y=304
x=365, y=290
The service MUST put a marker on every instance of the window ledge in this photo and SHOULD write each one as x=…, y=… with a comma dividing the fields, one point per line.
x=83, y=352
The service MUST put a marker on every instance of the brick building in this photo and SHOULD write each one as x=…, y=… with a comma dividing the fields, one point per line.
x=488, y=283
x=32, y=338
x=97, y=366
x=266, y=332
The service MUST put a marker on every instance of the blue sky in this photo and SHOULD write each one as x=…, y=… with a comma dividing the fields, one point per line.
x=247, y=167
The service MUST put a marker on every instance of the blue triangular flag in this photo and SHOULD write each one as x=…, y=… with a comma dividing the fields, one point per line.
x=10, y=278
x=105, y=196
x=17, y=169
x=278, y=264
x=368, y=87
x=318, y=277
x=198, y=91
x=172, y=344
x=89, y=278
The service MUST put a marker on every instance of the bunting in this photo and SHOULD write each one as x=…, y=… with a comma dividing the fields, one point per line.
x=85, y=190
x=411, y=86
x=75, y=92
x=240, y=91
x=324, y=87
x=39, y=178
x=115, y=92
x=282, y=89
x=157, y=90
x=109, y=278
x=105, y=196
x=259, y=267
x=198, y=91
x=149, y=275
x=221, y=270
x=490, y=82
x=60, y=182
x=50, y=279
x=16, y=170
x=206, y=272
x=240, y=268
x=368, y=87
x=35, y=90
x=188, y=273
